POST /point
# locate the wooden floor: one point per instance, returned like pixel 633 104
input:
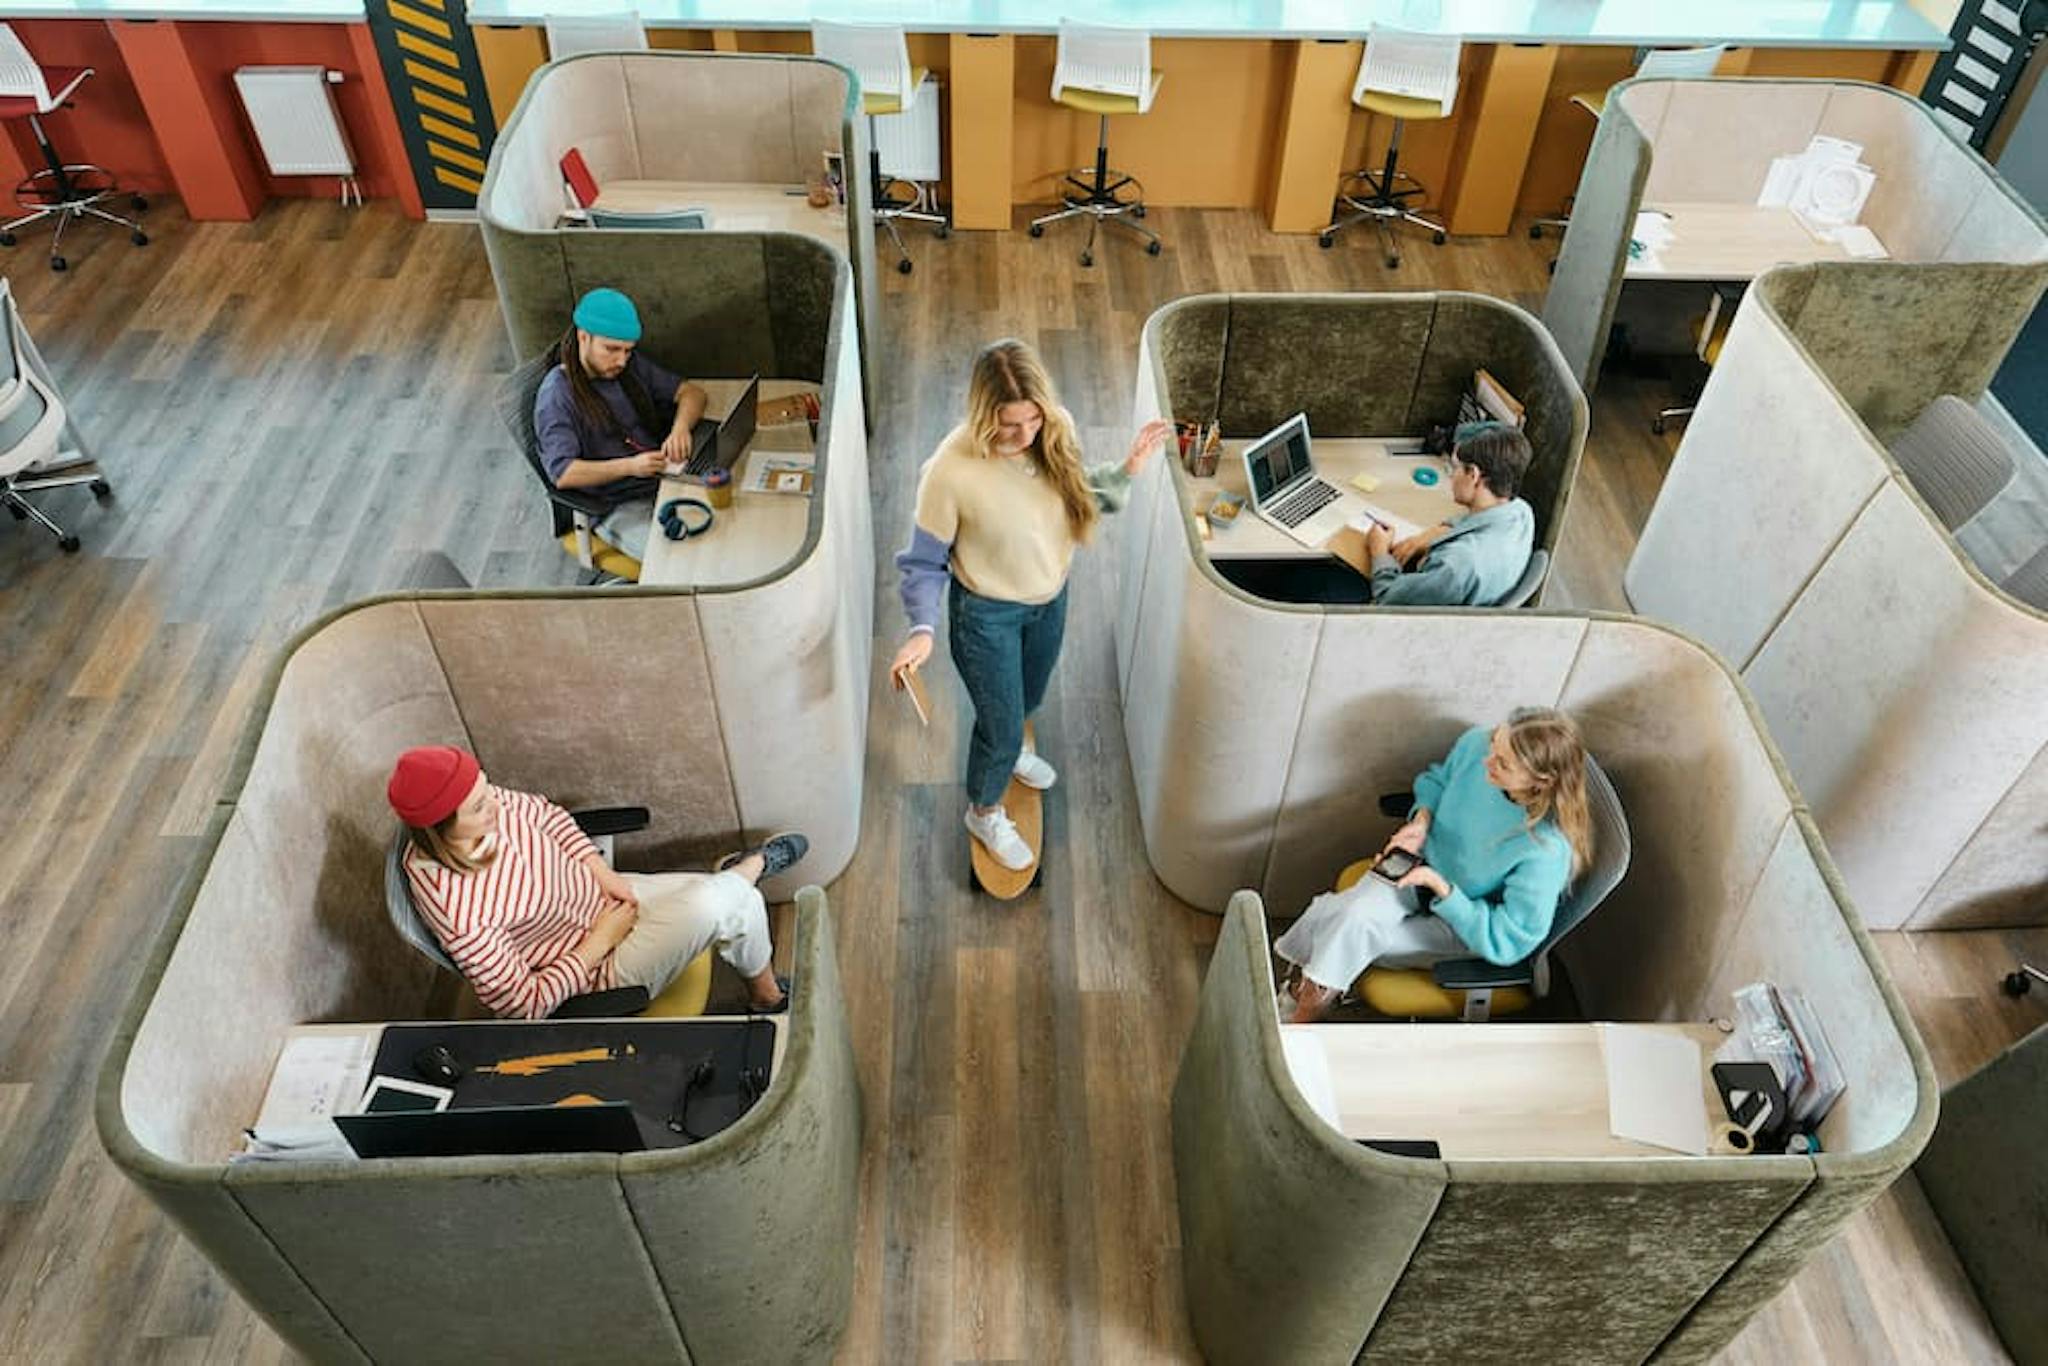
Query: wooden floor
pixel 295 412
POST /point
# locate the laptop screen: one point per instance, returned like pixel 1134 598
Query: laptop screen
pixel 1277 459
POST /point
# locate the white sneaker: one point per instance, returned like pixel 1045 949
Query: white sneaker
pixel 998 834
pixel 1033 771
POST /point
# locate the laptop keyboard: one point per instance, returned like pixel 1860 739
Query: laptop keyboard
pixel 1299 507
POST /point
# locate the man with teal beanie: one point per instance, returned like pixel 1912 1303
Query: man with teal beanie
pixel 609 420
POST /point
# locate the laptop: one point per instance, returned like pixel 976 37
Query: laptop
pixel 718 444
pixel 1286 490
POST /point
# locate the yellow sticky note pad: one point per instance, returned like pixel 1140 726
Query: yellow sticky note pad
pixel 1364 483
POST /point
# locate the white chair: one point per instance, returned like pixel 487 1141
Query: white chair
pixel 32 423
pixel 1103 71
pixel 1680 63
pixel 879 57
pixel 1405 76
pixel 569 34
pixel 61 190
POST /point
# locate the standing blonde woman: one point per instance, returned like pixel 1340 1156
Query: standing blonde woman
pixel 1000 508
pixel 1501 826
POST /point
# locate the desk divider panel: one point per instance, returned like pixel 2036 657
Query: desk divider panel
pixel 1898 677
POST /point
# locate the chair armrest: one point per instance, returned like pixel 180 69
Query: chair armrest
pixel 1397 805
pixel 611 820
pixel 1466 974
pixel 576 500
pixel 593 1005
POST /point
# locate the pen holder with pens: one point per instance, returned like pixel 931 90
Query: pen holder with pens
pixel 1199 447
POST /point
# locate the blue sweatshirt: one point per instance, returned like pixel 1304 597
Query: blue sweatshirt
pixel 1505 878
pixel 1475 564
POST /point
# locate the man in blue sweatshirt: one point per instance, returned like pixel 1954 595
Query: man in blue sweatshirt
pixel 1477 560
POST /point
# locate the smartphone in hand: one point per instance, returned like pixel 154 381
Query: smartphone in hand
pixel 1394 865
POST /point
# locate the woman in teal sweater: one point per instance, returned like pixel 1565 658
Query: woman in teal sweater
pixel 1502 828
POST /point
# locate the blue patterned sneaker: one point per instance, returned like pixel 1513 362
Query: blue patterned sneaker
pixel 780 852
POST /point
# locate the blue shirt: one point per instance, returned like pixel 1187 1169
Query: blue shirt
pixel 1475 564
pixel 566 435
pixel 1505 878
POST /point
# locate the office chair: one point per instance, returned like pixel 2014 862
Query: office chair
pixel 1954 459
pixel 1679 63
pixel 686 995
pixel 1472 988
pixel 572 512
pixel 1531 580
pixel 1103 71
pixel 1710 334
pixel 1405 76
pixel 32 428
pixel 569 34
pixel 879 56
pixel 61 190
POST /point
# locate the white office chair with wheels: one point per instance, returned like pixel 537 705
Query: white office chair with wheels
pixel 569 34
pixel 1103 71
pixel 1405 76
pixel 879 56
pixel 32 426
pixel 65 191
pixel 1681 63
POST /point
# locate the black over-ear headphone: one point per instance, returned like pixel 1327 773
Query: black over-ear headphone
pixel 674 518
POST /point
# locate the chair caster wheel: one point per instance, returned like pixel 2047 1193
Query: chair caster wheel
pixel 102 490
pixel 1087 258
pixel 1438 238
pixel 1393 263
pixel 1151 248
pixel 59 263
pixel 2015 983
pixel 903 266
pixel 1657 425
pixel 1036 229
pixel 942 231
pixel 19 515
pixel 137 203
pixel 1137 210
pixel 140 239
pixel 1535 232
pixel 6 239
pixel 68 544
pixel 1326 240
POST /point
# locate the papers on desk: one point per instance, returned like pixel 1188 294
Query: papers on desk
pixel 320 1073
pixel 1653 1088
pixel 1825 185
pixel 1648 238
pixel 777 474
pixel 1860 242
pixel 1400 528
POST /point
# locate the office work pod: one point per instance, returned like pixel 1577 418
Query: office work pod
pixel 1902 684
pixel 1300 1244
pixel 733 133
pixel 1690 145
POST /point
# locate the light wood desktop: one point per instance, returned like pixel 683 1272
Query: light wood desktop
pixel 760 532
pixel 732 207
pixel 1499 1091
pixel 1730 242
pixel 1338 460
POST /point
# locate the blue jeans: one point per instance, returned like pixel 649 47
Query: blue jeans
pixel 1004 652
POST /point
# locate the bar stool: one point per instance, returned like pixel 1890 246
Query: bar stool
pixel 572 34
pixel 61 190
pixel 1405 76
pixel 879 56
pixel 1103 71
pixel 1674 63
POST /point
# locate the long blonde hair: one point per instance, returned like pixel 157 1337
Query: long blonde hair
pixel 434 842
pixel 1008 371
pixel 1546 742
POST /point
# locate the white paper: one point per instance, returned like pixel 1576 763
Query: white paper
pixel 317 1077
pixel 1400 528
pixel 1653 1088
pixel 1859 241
pixel 777 474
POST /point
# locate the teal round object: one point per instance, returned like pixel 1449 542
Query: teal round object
pixel 1424 476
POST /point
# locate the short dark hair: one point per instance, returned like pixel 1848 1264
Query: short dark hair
pixel 1499 452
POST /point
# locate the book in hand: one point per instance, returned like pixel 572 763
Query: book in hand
pixel 911 686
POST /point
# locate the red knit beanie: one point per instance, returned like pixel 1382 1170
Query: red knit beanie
pixel 429 783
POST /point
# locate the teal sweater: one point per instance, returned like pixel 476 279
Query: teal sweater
pixel 1505 878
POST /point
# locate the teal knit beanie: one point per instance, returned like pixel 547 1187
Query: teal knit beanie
pixel 608 313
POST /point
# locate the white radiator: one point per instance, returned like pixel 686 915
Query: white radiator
pixel 297 124
pixel 909 143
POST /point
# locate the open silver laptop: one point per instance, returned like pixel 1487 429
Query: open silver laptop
pixel 1287 491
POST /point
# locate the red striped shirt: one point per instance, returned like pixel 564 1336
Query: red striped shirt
pixel 510 925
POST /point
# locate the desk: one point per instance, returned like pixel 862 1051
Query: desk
pixel 1337 460
pixel 760 532
pixel 733 207
pixel 1491 1091
pixel 1731 242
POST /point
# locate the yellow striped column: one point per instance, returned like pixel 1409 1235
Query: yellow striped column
pixel 438 90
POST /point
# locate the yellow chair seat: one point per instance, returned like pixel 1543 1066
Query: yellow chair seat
pixel 1594 102
pixel 1096 102
pixel 886 101
pixel 605 557
pixel 1401 106
pixel 1412 993
pixel 686 995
